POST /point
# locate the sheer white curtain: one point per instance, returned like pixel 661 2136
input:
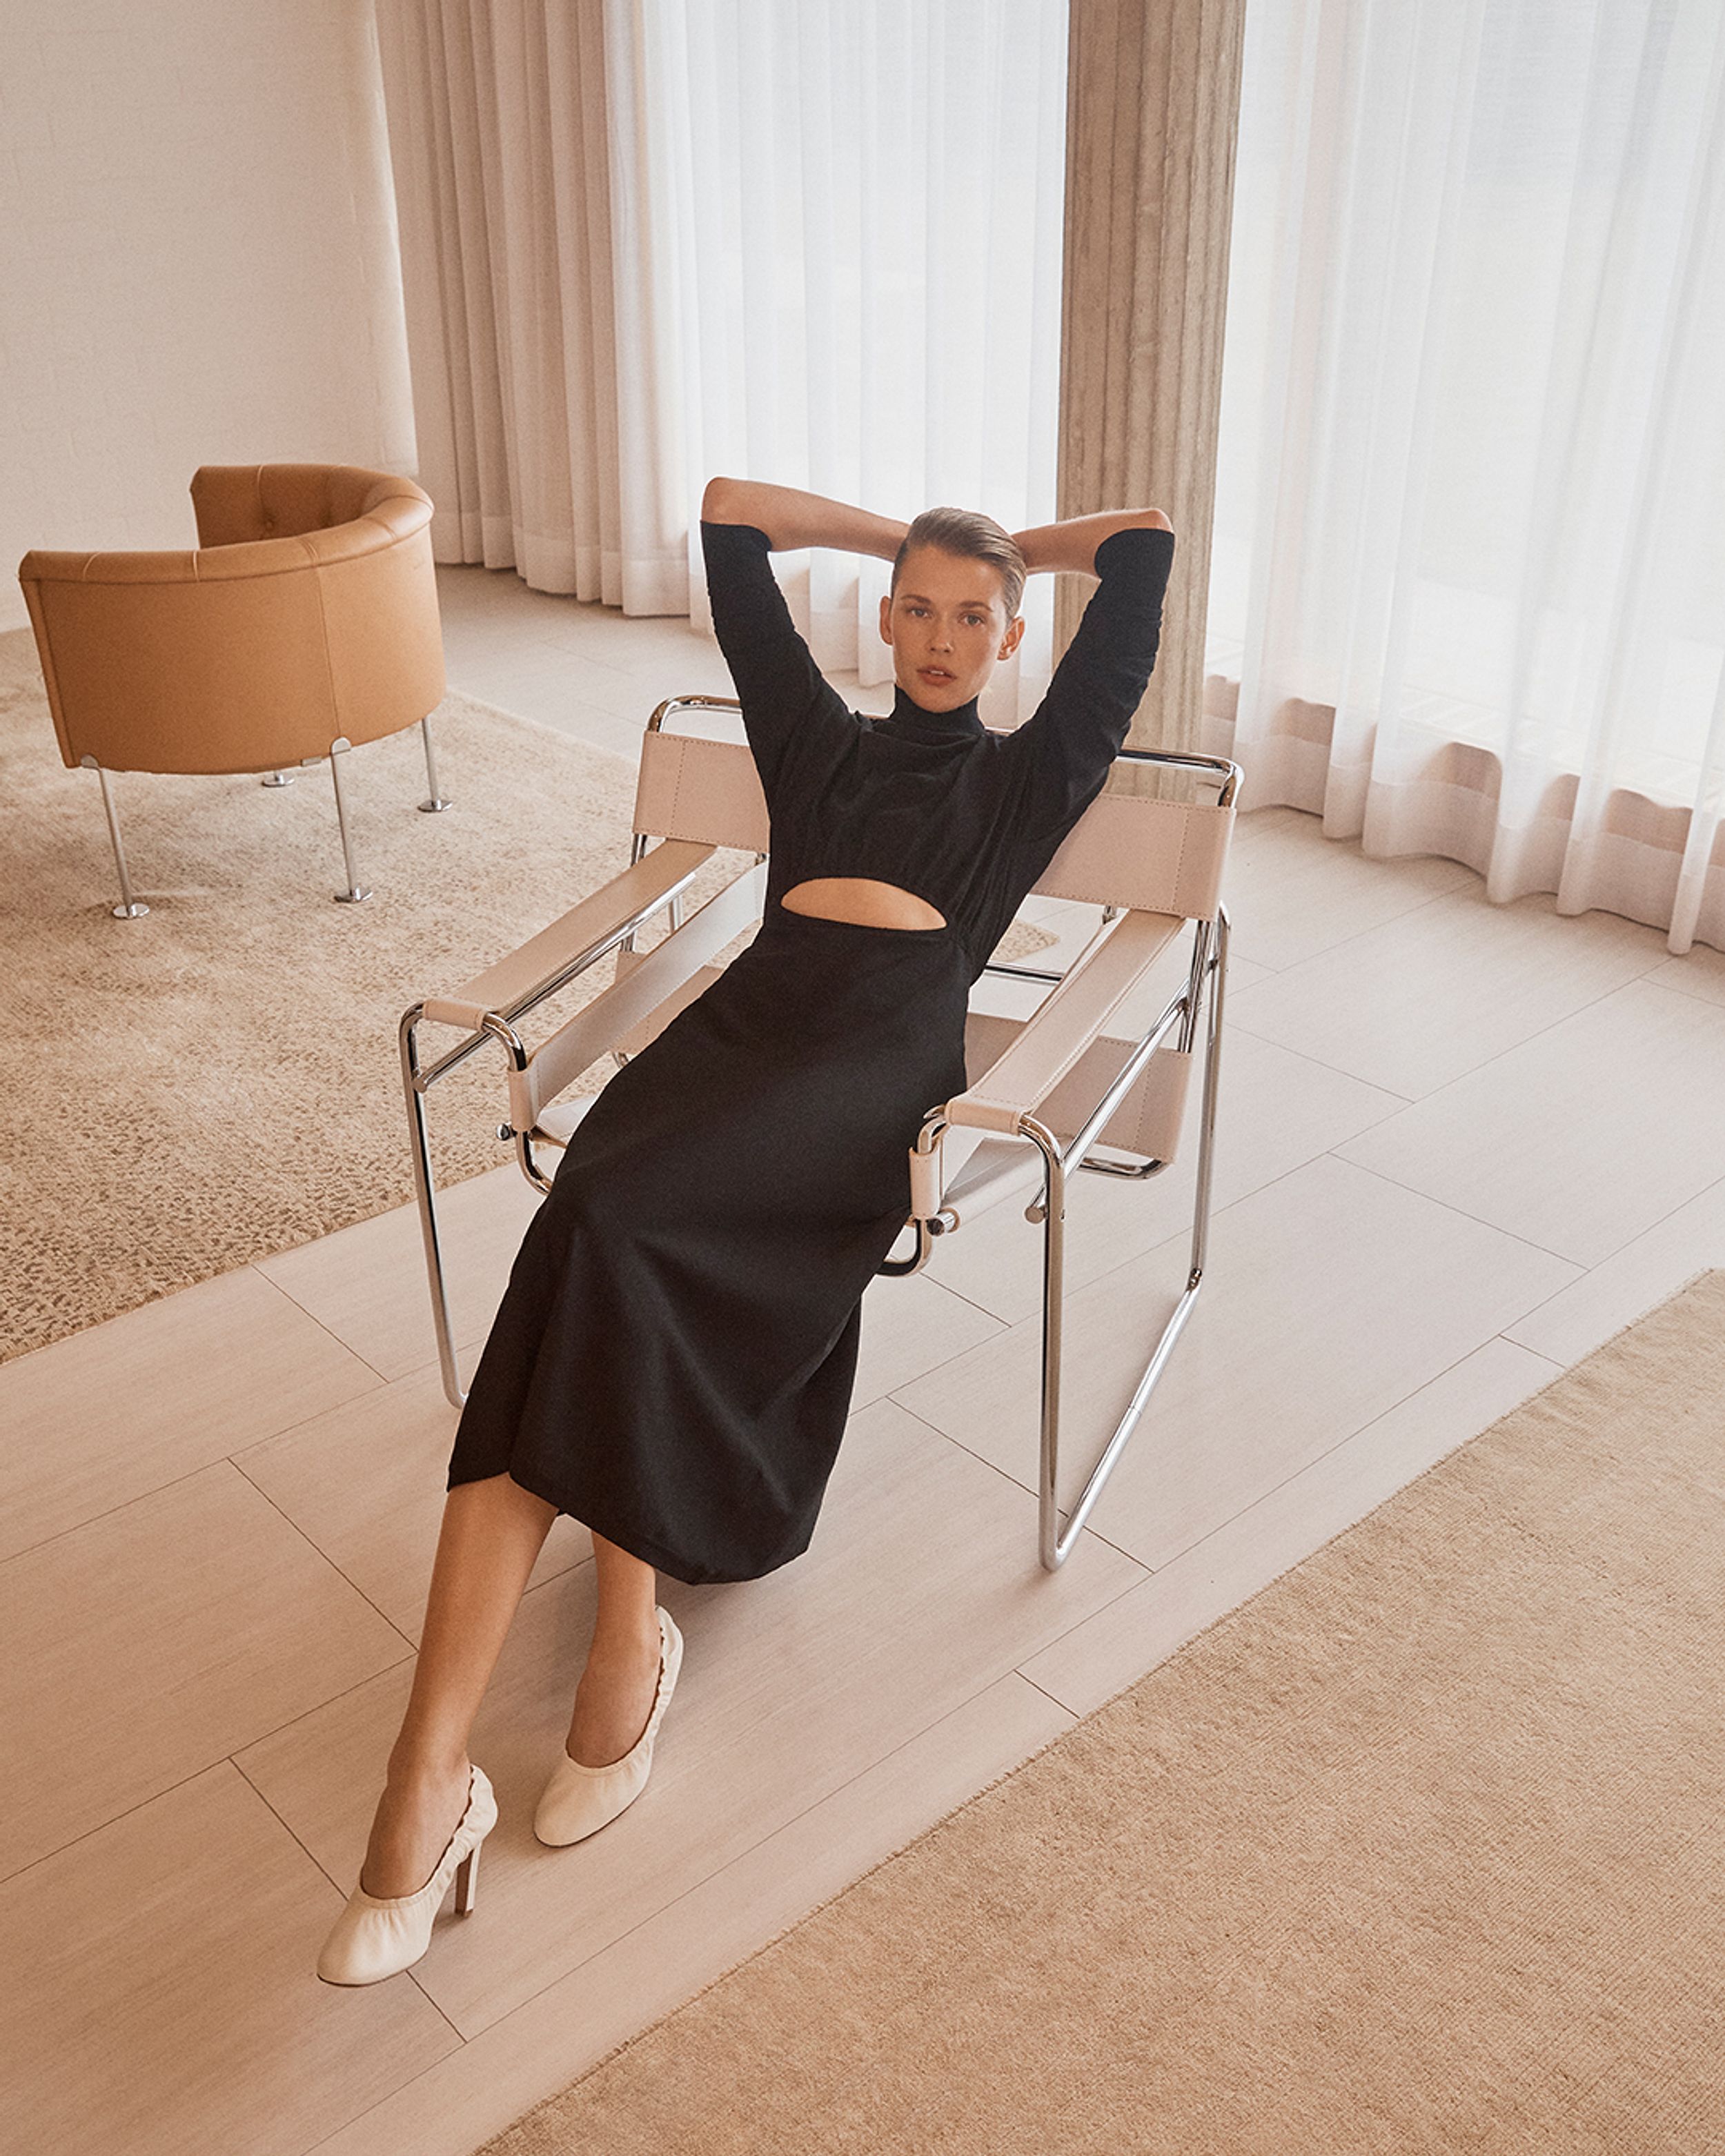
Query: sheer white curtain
pixel 811 241
pixel 1469 568
pixel 866 199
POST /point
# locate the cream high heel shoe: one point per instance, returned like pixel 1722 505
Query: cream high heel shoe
pixel 579 1800
pixel 375 1938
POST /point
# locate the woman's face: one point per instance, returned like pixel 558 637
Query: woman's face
pixel 947 624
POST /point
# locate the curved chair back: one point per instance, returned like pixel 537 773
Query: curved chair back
pixel 307 614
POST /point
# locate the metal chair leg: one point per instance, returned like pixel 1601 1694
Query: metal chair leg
pixel 1209 964
pixel 128 908
pixel 277 779
pixel 425 1191
pixel 436 802
pixel 354 893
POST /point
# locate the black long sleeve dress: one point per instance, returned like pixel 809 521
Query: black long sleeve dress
pixel 672 1361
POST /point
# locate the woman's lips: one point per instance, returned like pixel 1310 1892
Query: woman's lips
pixel 936 673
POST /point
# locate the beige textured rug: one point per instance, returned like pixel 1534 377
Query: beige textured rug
pixel 1423 1849
pixel 218 1081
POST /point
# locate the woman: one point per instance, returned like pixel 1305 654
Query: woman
pixel 672 1362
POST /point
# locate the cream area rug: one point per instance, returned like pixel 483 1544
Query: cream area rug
pixel 1422 1849
pixel 218 1081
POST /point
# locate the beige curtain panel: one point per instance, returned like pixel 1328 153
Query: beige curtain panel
pixel 530 327
pixel 817 242
pixel 1469 562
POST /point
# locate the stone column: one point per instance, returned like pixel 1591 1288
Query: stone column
pixel 1152 107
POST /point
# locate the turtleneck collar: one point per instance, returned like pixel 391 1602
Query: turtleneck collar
pixel 908 720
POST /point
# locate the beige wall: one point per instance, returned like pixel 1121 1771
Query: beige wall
pixel 198 260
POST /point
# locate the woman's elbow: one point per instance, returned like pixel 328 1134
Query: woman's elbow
pixel 718 504
pixel 1155 518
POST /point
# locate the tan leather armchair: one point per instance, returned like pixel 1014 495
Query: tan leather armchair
pixel 304 623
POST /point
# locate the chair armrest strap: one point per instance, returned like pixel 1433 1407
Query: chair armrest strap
pixel 586 931
pixel 637 990
pixel 1052 1040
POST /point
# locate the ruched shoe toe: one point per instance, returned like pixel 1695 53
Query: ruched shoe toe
pixel 374 1938
pixel 579 1800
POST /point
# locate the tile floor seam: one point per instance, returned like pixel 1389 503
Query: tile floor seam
pixel 256 1266
pixel 1462 1212
pixel 49 1855
pixel 287 1828
pixel 324 1557
pixel 1477 884
pixel 322 1706
pixel 1695 995
pixel 1064 1706
pixel 1628 1242
pixel 1404 1100
pixel 1665 988
pixel 1635 980
pixel 1238 950
pixel 970 1302
pixel 157 1490
pixel 1027 1489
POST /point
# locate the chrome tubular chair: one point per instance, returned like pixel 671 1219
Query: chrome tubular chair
pixel 1044 1091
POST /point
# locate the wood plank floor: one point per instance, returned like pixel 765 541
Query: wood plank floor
pixel 1461 1146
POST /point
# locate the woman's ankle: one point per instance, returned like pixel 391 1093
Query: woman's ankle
pixel 421 1763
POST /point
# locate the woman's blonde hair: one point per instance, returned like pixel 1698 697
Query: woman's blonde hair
pixel 974 537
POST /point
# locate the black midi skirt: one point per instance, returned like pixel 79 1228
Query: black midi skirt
pixel 673 1359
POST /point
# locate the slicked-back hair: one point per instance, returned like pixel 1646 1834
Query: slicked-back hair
pixel 974 537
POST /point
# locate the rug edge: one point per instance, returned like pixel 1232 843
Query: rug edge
pixel 1705 1274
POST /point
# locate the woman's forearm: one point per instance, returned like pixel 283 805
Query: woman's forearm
pixel 791 518
pixel 1073 544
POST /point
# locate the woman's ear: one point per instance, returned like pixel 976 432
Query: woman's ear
pixel 1014 634
pixel 886 619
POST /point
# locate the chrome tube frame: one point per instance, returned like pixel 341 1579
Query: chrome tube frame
pixel 128 908
pixel 1208 972
pixel 355 894
pixel 1055 1542
pixel 436 801
pixel 417 1080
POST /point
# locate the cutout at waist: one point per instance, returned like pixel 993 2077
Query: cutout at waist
pixel 863 901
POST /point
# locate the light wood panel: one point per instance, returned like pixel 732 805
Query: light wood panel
pixel 365 1484
pixel 156 1999
pixel 99 1419
pixel 367 1286
pixel 147 1646
pixel 1556 1140
pixel 1422 999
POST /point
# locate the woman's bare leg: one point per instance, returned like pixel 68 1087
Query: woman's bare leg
pixel 615 1695
pixel 492 1533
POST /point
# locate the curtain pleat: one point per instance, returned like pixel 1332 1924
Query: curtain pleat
pixel 1469 570
pixel 816 242
pixel 505 162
